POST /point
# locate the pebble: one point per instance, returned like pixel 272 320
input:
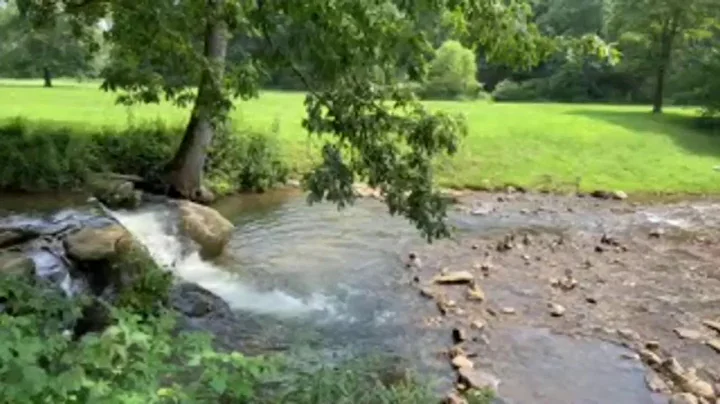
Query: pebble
pixel 427 292
pixel 462 361
pixel 458 335
pixel 454 398
pixel 475 293
pixel 508 310
pixel 652 345
pixel 556 310
pixel 454 277
pixel 478 325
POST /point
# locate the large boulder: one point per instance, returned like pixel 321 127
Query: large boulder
pixel 206 226
pixel 94 244
pixel 15 263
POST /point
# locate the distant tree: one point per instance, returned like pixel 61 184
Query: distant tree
pixel 45 50
pixel 452 72
pixel 664 27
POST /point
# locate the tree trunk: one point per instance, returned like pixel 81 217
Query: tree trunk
pixel 47 76
pixel 185 171
pixel 666 44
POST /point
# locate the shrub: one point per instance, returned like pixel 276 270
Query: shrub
pixel 508 90
pixel 131 361
pixel 42 156
pixel 452 73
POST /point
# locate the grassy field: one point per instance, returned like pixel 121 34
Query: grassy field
pixel 533 145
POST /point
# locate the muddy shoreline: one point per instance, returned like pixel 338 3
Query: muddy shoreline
pixel 652 287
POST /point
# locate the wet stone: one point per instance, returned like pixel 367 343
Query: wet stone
pixel 556 310
pixel 655 383
pixel 714 344
pixel 478 379
pixel 458 335
pixel 461 361
pixel 683 398
pixel 454 277
pixel 686 333
pixel 714 325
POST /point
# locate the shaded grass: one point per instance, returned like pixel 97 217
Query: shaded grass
pixel 545 146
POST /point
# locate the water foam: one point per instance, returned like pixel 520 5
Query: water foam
pixel 155 228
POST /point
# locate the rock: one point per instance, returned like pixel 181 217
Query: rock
pixel 454 277
pixel 478 325
pixel 714 325
pixel 600 194
pixel 655 383
pixel 477 379
pixel 619 195
pixel 656 233
pixel 686 333
pixel 673 368
pixel 458 335
pixel 115 192
pixel 652 345
pixel 650 357
pixel 10 237
pixel 556 310
pixel 461 361
pixel 696 386
pixel 95 244
pixel 427 292
pixel 206 226
pixel 195 301
pixel 714 344
pixel 628 334
pixel 475 293
pixel 591 299
pixel 683 398
pixel 508 310
pixel 413 261
pixel 14 263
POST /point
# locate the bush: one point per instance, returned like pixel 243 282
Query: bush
pixel 133 360
pixel 508 90
pixel 50 156
pixel 452 73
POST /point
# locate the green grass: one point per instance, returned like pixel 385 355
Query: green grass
pixel 533 145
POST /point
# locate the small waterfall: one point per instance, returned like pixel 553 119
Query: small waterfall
pixel 156 226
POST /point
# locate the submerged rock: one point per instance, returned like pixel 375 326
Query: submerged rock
pixel 206 226
pixel 686 333
pixel 195 301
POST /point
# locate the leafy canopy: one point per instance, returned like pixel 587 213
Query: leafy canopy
pixel 371 126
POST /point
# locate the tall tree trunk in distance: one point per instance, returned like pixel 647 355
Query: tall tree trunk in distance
pixel 47 76
pixel 666 43
pixel 185 171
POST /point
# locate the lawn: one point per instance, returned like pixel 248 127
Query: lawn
pixel 533 145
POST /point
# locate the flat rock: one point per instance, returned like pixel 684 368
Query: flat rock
pixel 454 277
pixel 696 386
pixel 478 325
pixel 649 357
pixel 475 293
pixel 619 195
pixel 683 398
pixel 714 325
pixel 714 344
pixel 477 379
pixel 508 310
pixel 94 244
pixel 628 334
pixel 454 398
pixel 11 237
pixel 461 361
pixel 686 333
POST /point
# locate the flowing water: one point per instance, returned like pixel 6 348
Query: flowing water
pixel 334 281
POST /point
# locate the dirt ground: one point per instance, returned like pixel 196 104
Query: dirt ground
pixel 651 286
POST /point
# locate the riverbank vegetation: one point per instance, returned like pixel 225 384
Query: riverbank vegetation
pixel 75 129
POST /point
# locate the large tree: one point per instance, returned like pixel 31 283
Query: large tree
pixel 372 126
pixel 664 26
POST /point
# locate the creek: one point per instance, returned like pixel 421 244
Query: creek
pixel 327 285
